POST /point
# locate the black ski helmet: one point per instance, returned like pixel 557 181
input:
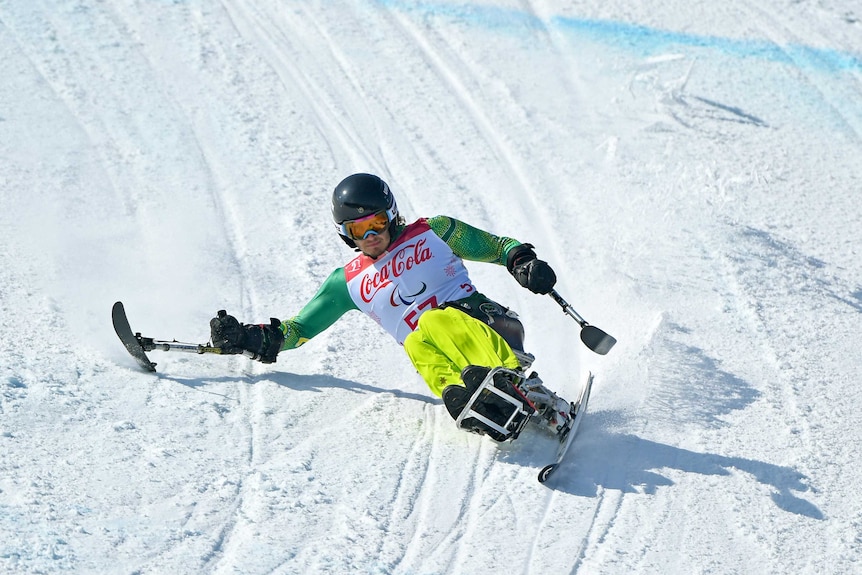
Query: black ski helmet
pixel 361 195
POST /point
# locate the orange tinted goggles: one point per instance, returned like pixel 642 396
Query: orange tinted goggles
pixel 363 227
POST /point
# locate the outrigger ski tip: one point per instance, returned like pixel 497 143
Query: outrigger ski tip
pixel 131 341
pixel 594 338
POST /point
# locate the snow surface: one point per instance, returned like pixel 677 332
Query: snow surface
pixel 691 170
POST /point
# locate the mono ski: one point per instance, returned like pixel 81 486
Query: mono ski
pixel 567 436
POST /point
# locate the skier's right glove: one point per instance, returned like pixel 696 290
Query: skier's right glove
pixel 263 340
pixel 534 274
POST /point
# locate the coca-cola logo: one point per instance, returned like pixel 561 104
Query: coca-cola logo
pixel 401 261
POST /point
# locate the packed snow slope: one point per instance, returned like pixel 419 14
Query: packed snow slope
pixel 690 169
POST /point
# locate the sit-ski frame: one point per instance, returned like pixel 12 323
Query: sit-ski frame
pixel 518 406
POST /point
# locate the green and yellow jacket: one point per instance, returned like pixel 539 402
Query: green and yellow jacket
pixel 333 299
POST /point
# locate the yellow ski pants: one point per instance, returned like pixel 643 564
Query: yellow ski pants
pixel 448 340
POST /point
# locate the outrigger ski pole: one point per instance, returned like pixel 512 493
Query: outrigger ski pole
pixel 137 345
pixel 594 338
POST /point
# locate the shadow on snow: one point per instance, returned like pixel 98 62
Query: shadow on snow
pixel 631 464
pixel 314 383
pixel 599 458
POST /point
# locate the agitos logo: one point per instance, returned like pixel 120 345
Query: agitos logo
pixel 403 260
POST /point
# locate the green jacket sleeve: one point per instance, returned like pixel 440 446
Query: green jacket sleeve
pixel 472 243
pixel 330 302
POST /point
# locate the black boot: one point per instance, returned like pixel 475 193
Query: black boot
pixel 455 396
pixel 474 375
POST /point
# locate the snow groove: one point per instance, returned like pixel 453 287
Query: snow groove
pixel 462 79
pixel 593 548
pixel 412 502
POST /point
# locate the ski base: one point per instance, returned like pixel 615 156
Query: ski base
pixel 579 409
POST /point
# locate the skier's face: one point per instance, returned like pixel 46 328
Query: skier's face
pixel 374 245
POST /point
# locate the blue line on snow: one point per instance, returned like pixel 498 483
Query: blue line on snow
pixel 642 39
pixel 650 40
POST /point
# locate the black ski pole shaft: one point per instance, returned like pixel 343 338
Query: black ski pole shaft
pixel 594 338
pixel 567 309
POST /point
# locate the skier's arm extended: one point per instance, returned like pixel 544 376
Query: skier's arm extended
pixel 330 302
pixel 472 243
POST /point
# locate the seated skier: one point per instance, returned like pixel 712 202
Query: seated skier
pixel 411 279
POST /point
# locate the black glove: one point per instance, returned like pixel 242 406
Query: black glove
pixel 232 337
pixel 226 333
pixel 534 274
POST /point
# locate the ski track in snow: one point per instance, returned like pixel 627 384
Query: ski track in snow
pixel 690 177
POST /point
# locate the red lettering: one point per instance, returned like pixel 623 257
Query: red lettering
pixel 401 261
pixel 412 318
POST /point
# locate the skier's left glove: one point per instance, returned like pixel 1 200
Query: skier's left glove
pixel 534 274
pixel 263 340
